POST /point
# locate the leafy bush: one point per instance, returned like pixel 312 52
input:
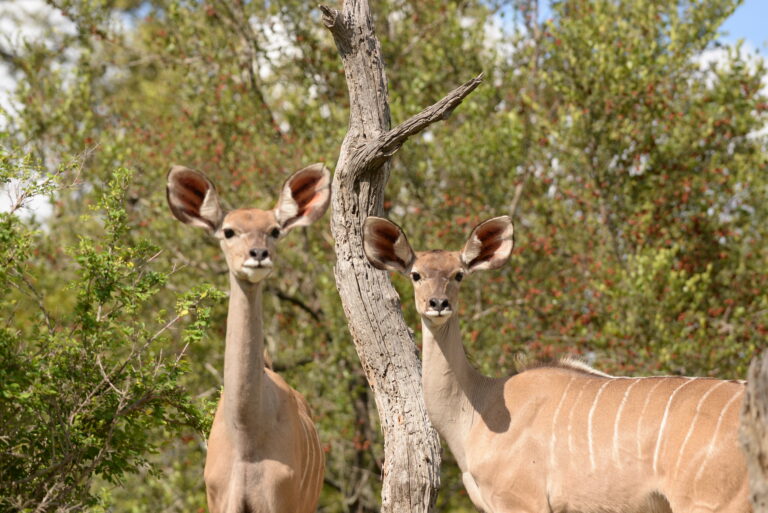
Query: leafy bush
pixel 88 378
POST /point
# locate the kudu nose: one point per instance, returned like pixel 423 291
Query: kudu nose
pixel 259 253
pixel 439 304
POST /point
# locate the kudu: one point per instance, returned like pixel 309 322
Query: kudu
pixel 563 437
pixel 263 451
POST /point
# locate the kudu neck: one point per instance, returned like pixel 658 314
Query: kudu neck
pixel 444 350
pixel 452 386
pixel 244 356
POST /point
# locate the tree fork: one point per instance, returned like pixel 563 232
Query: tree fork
pixel 384 344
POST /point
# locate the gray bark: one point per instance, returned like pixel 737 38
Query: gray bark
pixel 384 344
pixel 754 432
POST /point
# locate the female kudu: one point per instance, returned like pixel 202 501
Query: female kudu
pixel 263 451
pixel 563 438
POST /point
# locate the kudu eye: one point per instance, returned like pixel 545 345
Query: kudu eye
pixel 229 233
pixel 415 276
pixel 459 276
pixel 275 232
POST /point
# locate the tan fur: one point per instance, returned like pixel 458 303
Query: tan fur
pixel 264 454
pixel 564 437
pixel 276 465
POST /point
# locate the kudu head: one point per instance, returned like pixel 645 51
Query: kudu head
pixel 248 236
pixel 437 274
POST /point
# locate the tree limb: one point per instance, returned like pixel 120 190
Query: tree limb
pixel 376 152
pixel 384 343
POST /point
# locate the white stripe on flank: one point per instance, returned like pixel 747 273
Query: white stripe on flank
pixel 321 464
pixel 616 424
pixel 672 376
pixel 553 439
pixel 638 438
pixel 307 451
pixel 319 476
pixel 711 445
pixel 693 424
pixel 589 424
pixel 664 423
pixel 570 418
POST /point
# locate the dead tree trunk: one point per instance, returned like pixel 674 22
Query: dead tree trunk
pixel 754 432
pixel 411 474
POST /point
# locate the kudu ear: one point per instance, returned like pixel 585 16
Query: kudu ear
pixel 489 245
pixel 304 197
pixel 193 198
pixel 385 245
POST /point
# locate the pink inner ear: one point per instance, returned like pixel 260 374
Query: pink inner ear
pixel 303 191
pixel 191 192
pixel 490 239
pixel 387 232
pixel 382 238
pixel 489 231
pixel 487 251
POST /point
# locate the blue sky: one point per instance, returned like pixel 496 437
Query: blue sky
pixel 749 22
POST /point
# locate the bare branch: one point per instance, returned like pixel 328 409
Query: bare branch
pixel 106 378
pixel 283 296
pixel 239 21
pixel 281 367
pixel 516 199
pixel 379 150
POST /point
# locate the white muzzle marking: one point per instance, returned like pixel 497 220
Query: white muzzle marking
pixel 256 270
pixel 434 314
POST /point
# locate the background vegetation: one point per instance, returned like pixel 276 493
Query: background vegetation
pixel 634 167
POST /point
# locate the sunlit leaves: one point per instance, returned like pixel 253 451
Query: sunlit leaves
pixel 85 394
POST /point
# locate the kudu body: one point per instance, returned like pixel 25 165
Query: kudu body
pixel 263 451
pixel 565 437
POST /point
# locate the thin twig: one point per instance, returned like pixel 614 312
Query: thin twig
pixel 106 378
pixel 516 199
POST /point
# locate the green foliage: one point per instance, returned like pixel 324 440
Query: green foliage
pixel 634 172
pixel 655 299
pixel 86 384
